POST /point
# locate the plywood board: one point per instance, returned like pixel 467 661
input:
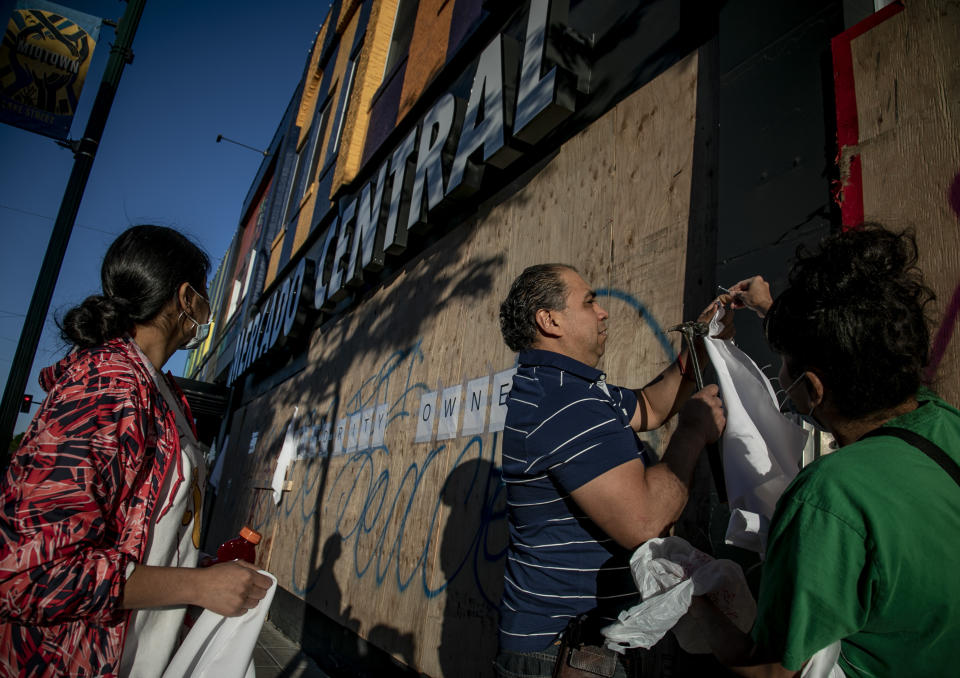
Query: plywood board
pixel 403 541
pixel 907 79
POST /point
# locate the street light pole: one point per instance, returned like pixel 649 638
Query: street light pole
pixel 86 150
pixel 220 138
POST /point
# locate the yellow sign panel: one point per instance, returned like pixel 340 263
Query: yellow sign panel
pixel 44 58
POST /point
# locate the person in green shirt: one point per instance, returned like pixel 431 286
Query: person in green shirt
pixel 863 544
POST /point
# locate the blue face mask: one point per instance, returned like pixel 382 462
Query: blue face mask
pixel 203 329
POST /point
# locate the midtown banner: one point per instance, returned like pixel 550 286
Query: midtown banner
pixel 44 58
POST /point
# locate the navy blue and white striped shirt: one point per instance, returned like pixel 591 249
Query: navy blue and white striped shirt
pixel 565 426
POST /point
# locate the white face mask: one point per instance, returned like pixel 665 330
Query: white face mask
pixel 788 400
pixel 203 329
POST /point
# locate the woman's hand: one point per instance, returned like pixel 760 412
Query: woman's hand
pixel 752 293
pixel 727 328
pixel 230 588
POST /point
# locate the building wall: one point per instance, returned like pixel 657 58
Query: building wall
pixel 368 76
pixel 777 150
pixel 715 169
pixel 428 50
pixel 250 234
pixel 418 527
pixel 324 114
pixel 218 293
pixel 907 112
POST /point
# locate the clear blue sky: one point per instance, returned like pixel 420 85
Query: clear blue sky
pixel 200 69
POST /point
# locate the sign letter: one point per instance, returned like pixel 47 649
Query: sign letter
pixel 502 381
pixel 428 403
pixel 544 102
pixel 449 413
pixel 475 412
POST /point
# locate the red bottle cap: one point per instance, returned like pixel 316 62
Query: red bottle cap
pixel 251 536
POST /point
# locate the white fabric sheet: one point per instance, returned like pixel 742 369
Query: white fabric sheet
pixel 222 647
pixel 761 448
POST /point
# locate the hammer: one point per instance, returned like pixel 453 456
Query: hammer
pixel 690 331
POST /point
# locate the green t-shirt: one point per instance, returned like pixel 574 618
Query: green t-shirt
pixel 865 547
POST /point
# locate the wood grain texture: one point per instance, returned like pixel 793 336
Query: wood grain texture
pixel 403 543
pixel 907 78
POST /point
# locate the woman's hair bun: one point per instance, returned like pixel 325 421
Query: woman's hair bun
pixel 141 273
pixel 856 312
pixel 96 320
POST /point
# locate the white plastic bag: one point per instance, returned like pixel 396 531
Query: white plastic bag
pixel 668 573
pixel 221 647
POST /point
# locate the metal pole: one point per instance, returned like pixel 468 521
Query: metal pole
pixel 86 150
pixel 690 331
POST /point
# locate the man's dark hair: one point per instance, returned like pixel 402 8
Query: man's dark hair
pixel 537 287
pixel 141 272
pixel 856 312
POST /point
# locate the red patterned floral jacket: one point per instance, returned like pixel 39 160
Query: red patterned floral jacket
pixel 76 506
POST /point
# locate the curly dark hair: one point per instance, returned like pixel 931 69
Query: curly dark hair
pixel 856 312
pixel 141 272
pixel 537 287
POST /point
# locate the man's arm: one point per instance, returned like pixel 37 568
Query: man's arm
pixel 663 397
pixel 631 503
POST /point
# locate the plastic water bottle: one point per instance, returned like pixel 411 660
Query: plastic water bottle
pixel 240 548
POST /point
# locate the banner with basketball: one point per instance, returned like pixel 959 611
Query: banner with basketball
pixel 44 58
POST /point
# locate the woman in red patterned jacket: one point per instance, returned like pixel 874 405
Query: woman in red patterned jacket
pixel 99 509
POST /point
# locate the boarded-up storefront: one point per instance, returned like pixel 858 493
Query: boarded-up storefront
pixel 395 521
pixel 373 351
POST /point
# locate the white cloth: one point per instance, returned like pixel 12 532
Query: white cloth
pixel 222 647
pixel 288 452
pixel 173 540
pixel 761 448
pixel 762 453
pixel 824 663
pixel 668 573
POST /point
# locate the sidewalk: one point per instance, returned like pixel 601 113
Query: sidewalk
pixel 276 656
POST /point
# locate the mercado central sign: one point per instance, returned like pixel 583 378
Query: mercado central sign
pixel 508 101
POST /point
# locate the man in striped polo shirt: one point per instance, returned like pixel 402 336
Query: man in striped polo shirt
pixel 581 494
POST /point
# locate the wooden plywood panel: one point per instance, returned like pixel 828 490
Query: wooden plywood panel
pixel 907 78
pixel 402 541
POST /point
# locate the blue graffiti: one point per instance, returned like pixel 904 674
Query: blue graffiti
pixel 377 513
pixel 652 323
pixel 371 511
